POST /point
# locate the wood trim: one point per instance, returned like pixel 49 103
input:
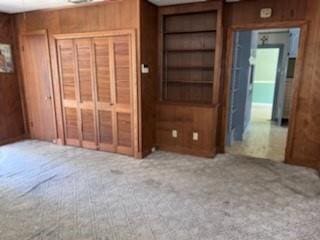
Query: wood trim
pixel 95 34
pixel 136 90
pixel 296 88
pixel 113 93
pixel 190 8
pixel 303 25
pixel 13 140
pixel 218 57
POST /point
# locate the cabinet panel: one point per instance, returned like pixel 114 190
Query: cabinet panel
pixel 187 121
pixel 124 130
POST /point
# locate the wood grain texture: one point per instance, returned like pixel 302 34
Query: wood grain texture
pixel 11 116
pixel 190 42
pixel 149 55
pixel 38 85
pixel 305 136
pixel 108 16
pixel 186 121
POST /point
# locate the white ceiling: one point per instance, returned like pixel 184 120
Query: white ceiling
pixel 15 6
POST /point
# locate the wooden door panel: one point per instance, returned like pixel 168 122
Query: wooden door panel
pixel 86 99
pixel 106 130
pixel 84 51
pixel 124 133
pixel 102 62
pixel 66 61
pixel 71 126
pixel 88 129
pixel 122 81
pixel 37 82
pixel 67 69
pixel 122 69
pixel 104 94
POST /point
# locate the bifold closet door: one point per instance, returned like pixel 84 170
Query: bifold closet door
pixel 77 87
pixel 114 107
pixel 122 75
pixel 68 84
pixel 96 76
pixel 105 94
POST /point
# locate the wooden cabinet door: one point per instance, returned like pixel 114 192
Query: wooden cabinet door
pixel 104 93
pixel 37 82
pixel 122 86
pixel 69 95
pixel 86 92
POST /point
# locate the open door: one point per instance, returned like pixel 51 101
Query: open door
pixel 241 89
pixel 37 82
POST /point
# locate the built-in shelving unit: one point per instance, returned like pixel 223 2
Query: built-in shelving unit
pixel 189 43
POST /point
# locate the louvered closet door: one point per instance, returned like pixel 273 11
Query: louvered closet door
pixel 122 79
pixel 68 84
pixel 105 94
pixel 86 94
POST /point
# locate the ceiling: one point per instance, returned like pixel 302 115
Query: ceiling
pixel 15 6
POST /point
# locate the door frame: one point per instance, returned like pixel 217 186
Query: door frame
pixel 277 82
pixel 135 110
pixel 303 25
pixel 22 36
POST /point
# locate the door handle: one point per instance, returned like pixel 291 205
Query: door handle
pixel 47 98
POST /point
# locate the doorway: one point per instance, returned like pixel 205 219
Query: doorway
pixel 261 92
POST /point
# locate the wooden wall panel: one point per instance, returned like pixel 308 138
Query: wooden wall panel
pixel 306 133
pixel 11 116
pixel 149 56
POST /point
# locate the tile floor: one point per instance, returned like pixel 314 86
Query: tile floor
pixel 263 139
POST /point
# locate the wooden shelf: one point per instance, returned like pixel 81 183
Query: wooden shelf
pixel 190 50
pixel 191 82
pixel 188 104
pixel 192 31
pixel 190 68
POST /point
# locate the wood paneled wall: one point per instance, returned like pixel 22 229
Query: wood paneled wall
pixel 149 56
pixel 11 118
pixel 306 132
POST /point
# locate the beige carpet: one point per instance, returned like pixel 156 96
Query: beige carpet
pixel 56 192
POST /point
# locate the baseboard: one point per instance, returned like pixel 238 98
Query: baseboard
pixel 13 140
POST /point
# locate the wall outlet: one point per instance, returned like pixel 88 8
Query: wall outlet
pixel 174 133
pixel 195 136
pixel 153 149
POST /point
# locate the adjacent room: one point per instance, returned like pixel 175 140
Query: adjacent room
pixel 261 92
pixel 159 120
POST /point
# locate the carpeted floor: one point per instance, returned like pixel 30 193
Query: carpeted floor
pixel 63 193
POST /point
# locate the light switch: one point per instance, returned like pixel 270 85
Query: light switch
pixel 266 12
pixel 144 68
pixel 174 133
pixel 195 136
